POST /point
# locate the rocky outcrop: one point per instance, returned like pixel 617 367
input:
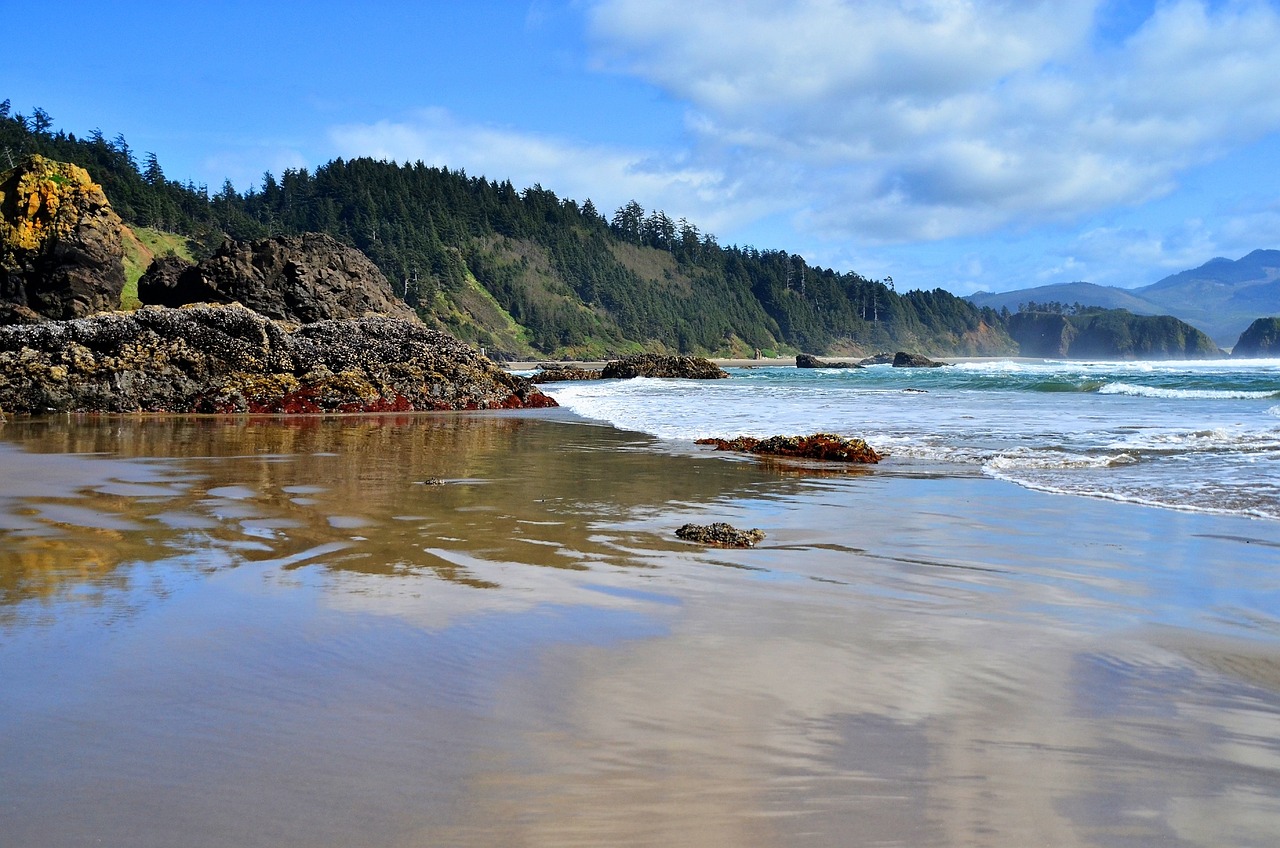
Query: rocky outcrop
pixel 881 358
pixel 228 359
pixel 61 254
pixel 1260 340
pixel 563 374
pixel 302 279
pixel 822 446
pixel 805 360
pixel 653 365
pixel 721 535
pixel 902 359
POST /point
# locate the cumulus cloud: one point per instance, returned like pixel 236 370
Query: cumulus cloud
pixel 609 176
pixel 929 119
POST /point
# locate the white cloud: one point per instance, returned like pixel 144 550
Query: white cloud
pixel 928 119
pixel 609 176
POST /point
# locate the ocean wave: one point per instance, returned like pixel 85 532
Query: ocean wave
pixel 1044 460
pixel 1136 390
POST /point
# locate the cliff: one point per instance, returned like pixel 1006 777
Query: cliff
pixel 1109 334
pixel 61 254
pixel 229 359
pixel 1260 340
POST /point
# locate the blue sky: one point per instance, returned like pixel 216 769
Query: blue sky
pixel 962 144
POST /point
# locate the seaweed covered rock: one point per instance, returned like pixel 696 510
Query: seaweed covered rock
pixel 824 446
pixel 61 249
pixel 721 535
pixel 228 359
pixel 654 365
pixel 303 279
pixel 564 374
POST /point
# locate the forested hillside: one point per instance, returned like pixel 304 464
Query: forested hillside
pixel 522 271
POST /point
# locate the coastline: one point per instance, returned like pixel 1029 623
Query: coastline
pixel 766 362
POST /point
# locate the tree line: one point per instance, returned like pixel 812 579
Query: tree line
pixel 573 280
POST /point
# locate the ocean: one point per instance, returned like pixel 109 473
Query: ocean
pixel 1202 436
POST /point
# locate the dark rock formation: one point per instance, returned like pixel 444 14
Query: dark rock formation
pixel 721 535
pixel 61 254
pixel 902 359
pixel 818 446
pixel 562 373
pixel 302 279
pixel 1260 340
pixel 805 360
pixel 881 358
pixel 653 365
pixel 228 359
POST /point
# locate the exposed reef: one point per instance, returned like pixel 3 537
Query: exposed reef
pixel 228 359
pixel 823 446
pixel 721 535
pixel 563 373
pixel 654 365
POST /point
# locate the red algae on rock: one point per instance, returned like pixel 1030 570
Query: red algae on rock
pixel 822 446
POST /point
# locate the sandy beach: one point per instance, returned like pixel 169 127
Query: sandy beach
pixel 481 630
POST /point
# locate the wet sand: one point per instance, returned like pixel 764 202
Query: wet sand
pixel 481 630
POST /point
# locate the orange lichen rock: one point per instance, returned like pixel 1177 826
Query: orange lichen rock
pixel 824 446
pixel 61 249
pixel 43 202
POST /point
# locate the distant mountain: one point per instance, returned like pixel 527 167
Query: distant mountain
pixel 1222 297
pixel 1085 294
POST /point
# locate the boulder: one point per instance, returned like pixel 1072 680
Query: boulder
pixel 824 446
pixel 805 360
pixel 721 535
pixel 61 251
pixel 228 359
pixel 902 359
pixel 301 279
pixel 654 365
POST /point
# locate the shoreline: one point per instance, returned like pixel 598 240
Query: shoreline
pixel 524 653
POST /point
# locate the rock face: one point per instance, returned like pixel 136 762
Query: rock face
pixel 823 446
pixel 721 535
pixel 902 359
pixel 228 359
pixel 1261 339
pixel 1109 334
pixel 61 254
pixel 653 365
pixel 302 279
pixel 805 360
